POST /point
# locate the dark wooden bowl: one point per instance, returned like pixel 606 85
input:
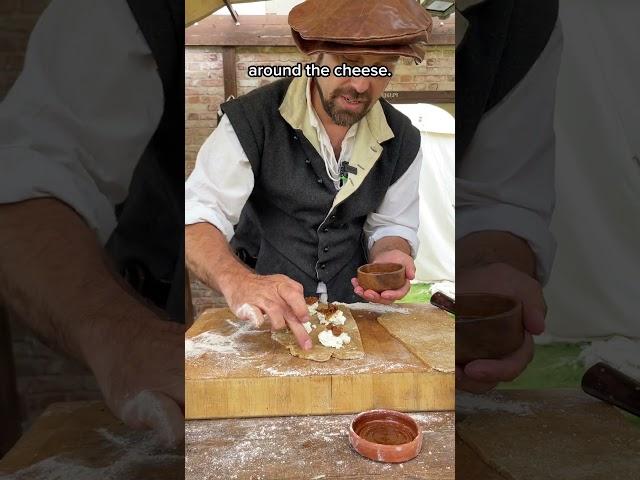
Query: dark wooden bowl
pixel 381 276
pixel 385 436
pixel 487 326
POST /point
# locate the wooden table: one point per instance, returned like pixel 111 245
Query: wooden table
pixel 308 447
pixel 83 440
pixel 544 434
pixel 248 374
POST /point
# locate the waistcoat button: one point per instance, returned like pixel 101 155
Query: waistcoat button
pixel 325 249
pixel 319 181
pixel 323 266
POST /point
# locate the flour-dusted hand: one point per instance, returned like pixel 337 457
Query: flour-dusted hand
pixel 142 378
pixel 281 300
pixel 482 375
pixel 389 296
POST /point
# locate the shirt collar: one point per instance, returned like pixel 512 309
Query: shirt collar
pixel 294 110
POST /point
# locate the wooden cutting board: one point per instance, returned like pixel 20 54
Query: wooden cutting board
pixel 84 440
pixel 232 371
pixel 543 434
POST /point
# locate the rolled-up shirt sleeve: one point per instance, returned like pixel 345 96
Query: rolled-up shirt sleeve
pixel 505 181
pixel 221 182
pixel 81 113
pixel 399 213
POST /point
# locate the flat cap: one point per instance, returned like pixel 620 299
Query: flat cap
pixel 382 27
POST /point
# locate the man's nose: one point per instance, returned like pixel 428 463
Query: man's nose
pixel 360 84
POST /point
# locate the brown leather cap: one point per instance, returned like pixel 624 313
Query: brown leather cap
pixel 393 27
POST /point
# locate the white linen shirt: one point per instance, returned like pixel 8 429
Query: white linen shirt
pixel 82 112
pixel 506 179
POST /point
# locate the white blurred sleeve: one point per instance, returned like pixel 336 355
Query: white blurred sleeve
pixel 221 182
pixel 506 179
pixel 81 113
pixel 399 213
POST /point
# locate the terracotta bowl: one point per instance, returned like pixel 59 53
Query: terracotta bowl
pixel 385 436
pixel 381 276
pixel 487 326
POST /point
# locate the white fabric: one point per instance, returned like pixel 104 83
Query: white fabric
pixel 222 181
pixel 436 258
pixel 506 178
pixel 331 164
pixel 80 115
pixel 594 289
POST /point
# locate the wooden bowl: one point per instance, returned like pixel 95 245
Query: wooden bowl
pixel 381 276
pixel 487 326
pixel 385 436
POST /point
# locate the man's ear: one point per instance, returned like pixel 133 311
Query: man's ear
pixel 317 58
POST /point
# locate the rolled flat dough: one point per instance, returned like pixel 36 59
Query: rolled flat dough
pixel 319 352
pixel 430 336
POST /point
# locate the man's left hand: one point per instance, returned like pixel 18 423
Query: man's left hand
pixel 389 296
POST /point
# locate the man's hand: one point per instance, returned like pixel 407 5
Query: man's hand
pixel 249 296
pixel 281 299
pixel 482 375
pixel 389 296
pixel 54 275
pixel 142 378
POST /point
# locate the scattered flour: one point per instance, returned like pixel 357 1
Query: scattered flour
pixel 493 402
pixel 621 353
pixel 374 307
pixel 135 452
pixel 210 342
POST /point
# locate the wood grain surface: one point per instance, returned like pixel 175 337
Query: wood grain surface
pixel 543 434
pixel 309 447
pixel 247 374
pixel 84 440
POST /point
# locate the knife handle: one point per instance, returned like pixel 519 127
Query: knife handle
pixel 612 386
pixel 444 302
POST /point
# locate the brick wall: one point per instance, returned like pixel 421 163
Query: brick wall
pixel 204 89
pixel 204 92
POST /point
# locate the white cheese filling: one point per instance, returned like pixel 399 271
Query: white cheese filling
pixel 313 309
pixel 337 318
pixel 328 339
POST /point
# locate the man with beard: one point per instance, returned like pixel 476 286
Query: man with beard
pixel 324 169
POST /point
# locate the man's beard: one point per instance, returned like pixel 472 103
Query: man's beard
pixel 340 116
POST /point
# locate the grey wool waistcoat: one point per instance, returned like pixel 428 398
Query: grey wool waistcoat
pixel 302 235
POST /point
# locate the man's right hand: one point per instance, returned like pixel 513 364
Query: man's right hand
pixel 281 299
pixel 140 372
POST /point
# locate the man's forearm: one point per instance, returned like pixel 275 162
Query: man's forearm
pixel 484 248
pixel 386 244
pixel 209 257
pixel 55 276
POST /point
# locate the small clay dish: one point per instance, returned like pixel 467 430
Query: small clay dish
pixel 381 276
pixel 385 436
pixel 487 326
